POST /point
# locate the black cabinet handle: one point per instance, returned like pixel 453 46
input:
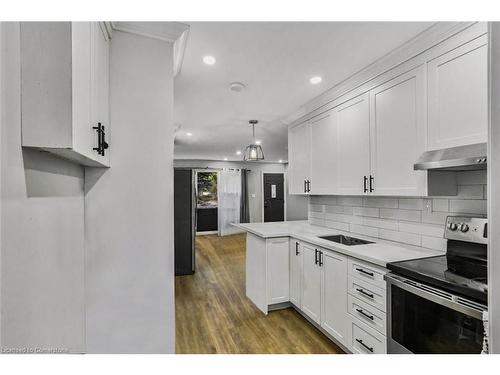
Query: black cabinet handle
pixel 371 183
pixel 102 145
pixel 297 248
pixel 365 180
pixel 364 293
pixel 365 272
pixel 320 258
pixel 305 186
pixel 366 346
pixel 315 256
pixel 308 186
pixel 365 314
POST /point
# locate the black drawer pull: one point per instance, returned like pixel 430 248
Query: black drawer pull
pixel 320 258
pixel 366 346
pixel 365 293
pixel 297 248
pixel 365 272
pixel 315 256
pixel 365 180
pixel 365 314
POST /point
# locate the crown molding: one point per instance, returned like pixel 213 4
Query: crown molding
pixel 175 33
pixel 422 42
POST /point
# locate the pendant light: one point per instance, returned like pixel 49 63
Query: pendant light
pixel 253 152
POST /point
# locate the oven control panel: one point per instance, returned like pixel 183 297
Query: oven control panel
pixel 470 229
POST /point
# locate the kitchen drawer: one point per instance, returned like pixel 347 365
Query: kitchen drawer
pixel 366 292
pixel 368 272
pixel 373 317
pixel 365 340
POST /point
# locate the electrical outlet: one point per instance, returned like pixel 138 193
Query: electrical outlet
pixel 428 205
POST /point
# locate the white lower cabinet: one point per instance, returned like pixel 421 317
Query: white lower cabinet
pixel 365 340
pixel 370 315
pixel 295 272
pixel 310 297
pixel 343 296
pixel 278 270
pixel 334 318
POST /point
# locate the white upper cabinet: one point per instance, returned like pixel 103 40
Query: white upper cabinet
pixel 397 135
pixel 458 96
pixel 299 158
pixel 100 81
pixel 353 151
pixel 324 154
pixel 65 89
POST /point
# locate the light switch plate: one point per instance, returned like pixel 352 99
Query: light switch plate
pixel 428 205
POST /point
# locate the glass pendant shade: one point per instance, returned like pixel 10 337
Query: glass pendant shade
pixel 253 152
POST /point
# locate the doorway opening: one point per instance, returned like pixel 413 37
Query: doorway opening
pixel 273 186
pixel 207 203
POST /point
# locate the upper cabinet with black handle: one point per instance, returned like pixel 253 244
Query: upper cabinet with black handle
pixel 299 161
pixel 65 90
pixel 366 140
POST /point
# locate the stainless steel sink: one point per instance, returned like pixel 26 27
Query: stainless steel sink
pixel 345 240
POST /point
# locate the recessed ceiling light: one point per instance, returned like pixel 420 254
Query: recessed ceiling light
pixel 225 159
pixel 189 134
pixel 315 80
pixel 237 86
pixel 280 161
pixel 258 142
pixel 209 60
pixel 238 152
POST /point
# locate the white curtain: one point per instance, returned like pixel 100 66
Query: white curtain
pixel 229 188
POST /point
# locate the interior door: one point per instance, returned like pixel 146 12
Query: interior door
pixel 295 272
pixel 324 154
pixel 299 159
pixel 353 151
pixel 311 283
pixel 334 318
pixel 397 134
pixel 274 197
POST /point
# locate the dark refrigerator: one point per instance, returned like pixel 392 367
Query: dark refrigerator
pixel 184 221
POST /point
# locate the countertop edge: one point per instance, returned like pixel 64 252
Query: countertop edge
pixel 331 247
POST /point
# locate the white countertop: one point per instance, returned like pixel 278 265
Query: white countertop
pixel 380 252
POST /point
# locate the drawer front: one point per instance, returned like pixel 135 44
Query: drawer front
pixel 368 272
pixel 366 340
pixel 366 292
pixel 373 317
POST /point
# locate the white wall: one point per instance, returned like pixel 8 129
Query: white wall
pixel 129 207
pixel 42 245
pixel 296 205
pixel 494 190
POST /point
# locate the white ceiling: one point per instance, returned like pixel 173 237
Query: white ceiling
pixel 275 60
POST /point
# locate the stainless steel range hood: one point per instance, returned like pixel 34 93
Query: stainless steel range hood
pixel 462 158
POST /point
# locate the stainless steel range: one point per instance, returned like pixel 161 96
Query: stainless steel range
pixel 436 304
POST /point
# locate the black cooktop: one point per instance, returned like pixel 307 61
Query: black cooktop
pixel 458 275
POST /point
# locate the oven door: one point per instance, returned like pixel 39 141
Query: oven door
pixel 422 319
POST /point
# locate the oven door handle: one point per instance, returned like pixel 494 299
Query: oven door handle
pixel 446 299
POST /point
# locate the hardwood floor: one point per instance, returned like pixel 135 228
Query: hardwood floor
pixel 213 315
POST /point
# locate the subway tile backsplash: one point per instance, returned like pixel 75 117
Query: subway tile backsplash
pixel 402 219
